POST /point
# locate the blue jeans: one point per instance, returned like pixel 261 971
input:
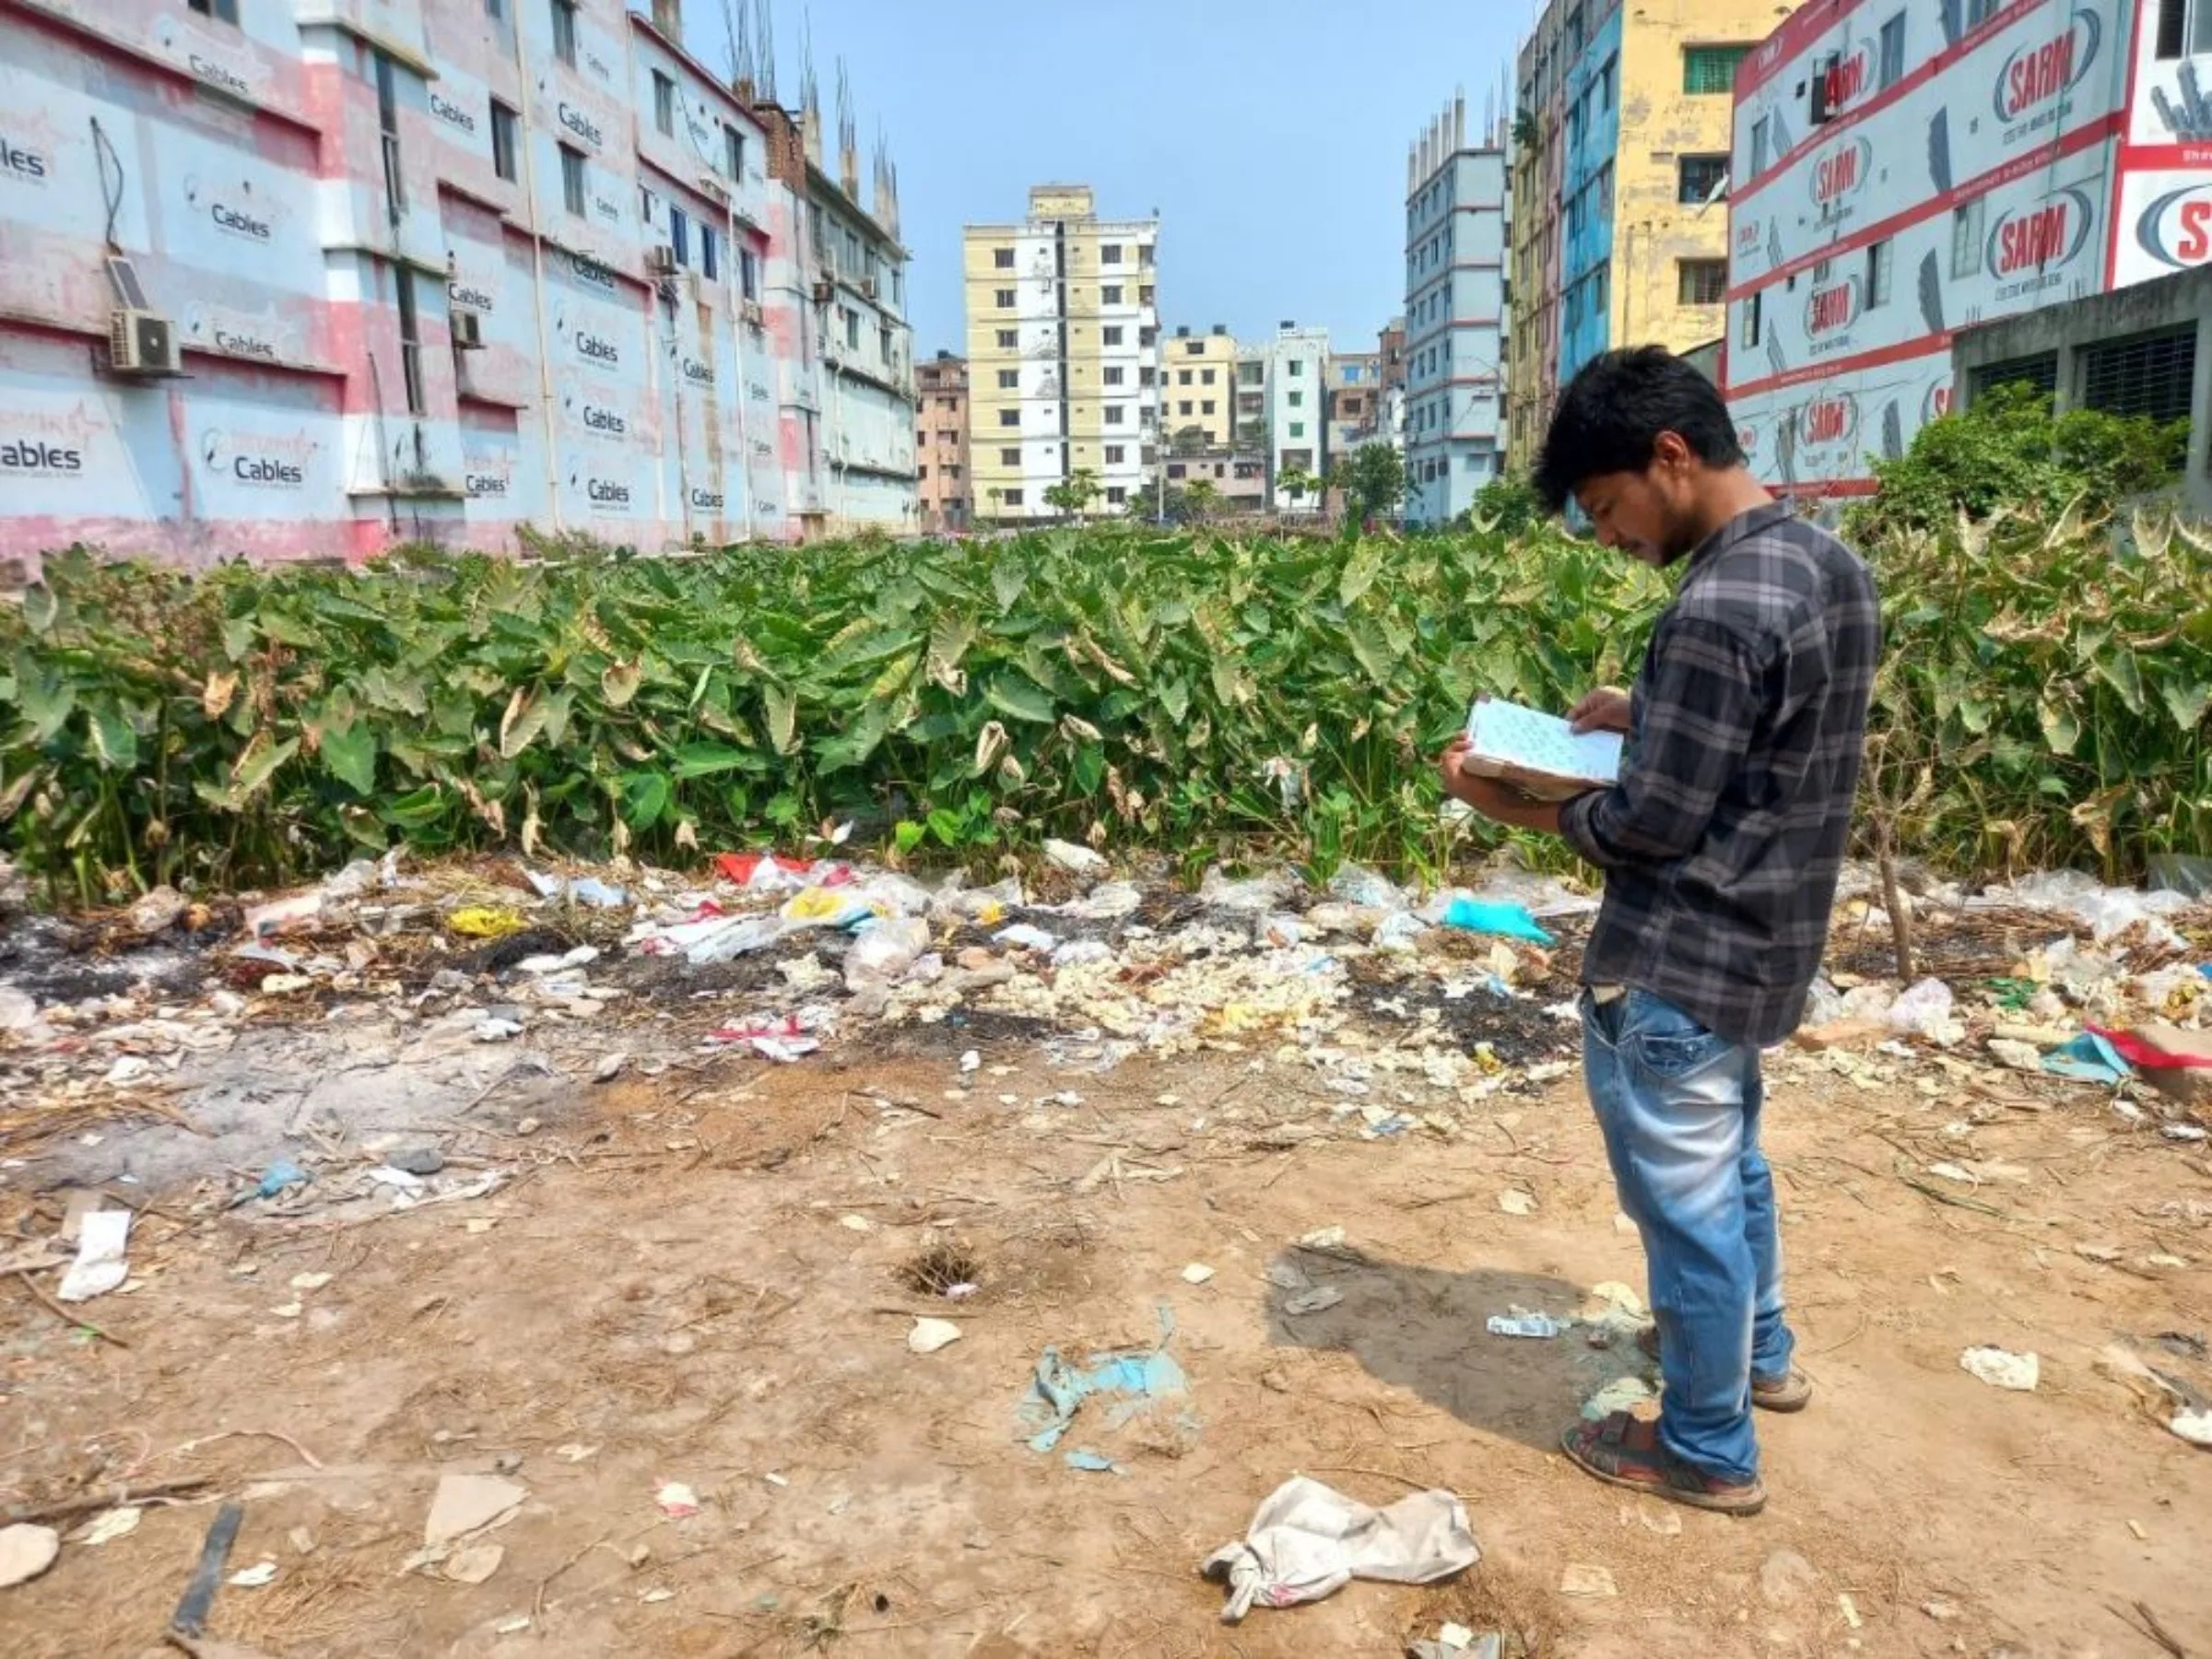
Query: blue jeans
pixel 1679 1108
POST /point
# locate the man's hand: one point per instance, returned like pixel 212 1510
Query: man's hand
pixel 1604 710
pixel 1500 803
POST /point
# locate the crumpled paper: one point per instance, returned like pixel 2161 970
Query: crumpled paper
pixel 1307 1541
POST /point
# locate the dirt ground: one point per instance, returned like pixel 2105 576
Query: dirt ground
pixel 699 1279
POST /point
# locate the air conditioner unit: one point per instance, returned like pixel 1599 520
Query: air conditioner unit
pixel 660 259
pixel 867 286
pixel 750 311
pixel 823 291
pixel 141 342
pixel 468 331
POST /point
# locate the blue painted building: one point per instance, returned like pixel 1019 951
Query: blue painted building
pixel 1586 189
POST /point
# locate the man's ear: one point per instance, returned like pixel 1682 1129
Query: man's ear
pixel 1669 451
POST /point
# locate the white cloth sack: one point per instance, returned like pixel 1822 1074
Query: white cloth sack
pixel 1307 1541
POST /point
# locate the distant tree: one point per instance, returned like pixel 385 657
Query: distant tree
pixel 1508 503
pixel 1372 479
pixel 1298 484
pixel 1187 441
pixel 1200 498
pixel 1074 494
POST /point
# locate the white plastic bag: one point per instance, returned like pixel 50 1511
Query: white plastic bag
pixel 1308 1540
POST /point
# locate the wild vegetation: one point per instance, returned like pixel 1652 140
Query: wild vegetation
pixel 2043 699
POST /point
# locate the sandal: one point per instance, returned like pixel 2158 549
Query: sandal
pixel 1793 1392
pixel 1625 1451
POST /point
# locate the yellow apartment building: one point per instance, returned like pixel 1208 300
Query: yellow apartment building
pixel 1198 388
pixel 1062 355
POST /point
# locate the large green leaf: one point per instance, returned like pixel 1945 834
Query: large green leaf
pixel 114 741
pixel 349 753
pixel 46 699
pixel 620 683
pixel 2117 668
pixel 2185 702
pixel 708 759
pixel 782 716
pixel 1015 694
pixel 645 798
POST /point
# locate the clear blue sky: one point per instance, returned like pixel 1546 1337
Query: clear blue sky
pixel 1271 138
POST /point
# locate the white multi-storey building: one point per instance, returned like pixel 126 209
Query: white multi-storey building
pixel 1455 317
pixel 1293 379
pixel 1904 171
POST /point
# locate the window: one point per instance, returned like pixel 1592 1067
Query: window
pixel 1966 238
pixel 851 331
pixel 572 179
pixel 2147 375
pixel 1206 407
pixel 952 472
pixel 710 258
pixel 1114 374
pixel 1009 418
pixel 733 153
pixel 222 11
pixel 2180 24
pixel 1298 428
pixel 1701 281
pixel 1751 334
pixel 502 141
pixel 2039 371
pixel 1115 495
pixel 1115 414
pixel 1979 12
pixel 564 31
pixel 1008 379
pixel 1758 147
pixel 1182 377
pixel 387 114
pixel 1893 51
pixel 1605 83
pixel 1008 339
pixel 410 342
pixel 921 475
pixel 1298 400
pixel 1206 377
pixel 748 273
pixel 1005 297
pixel 1710 70
pixel 1012 497
pixel 1114 452
pixel 1009 457
pixel 1111 294
pixel 495 8
pixel 664 103
pixel 1110 337
pixel 1183 407
pixel 1144 295
pixel 1700 179
pixel 1144 256
pixel 1881 259
pixel 679 235
pixel 1110 253
pixel 1002 259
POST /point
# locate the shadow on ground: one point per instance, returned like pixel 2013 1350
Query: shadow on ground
pixel 1424 1329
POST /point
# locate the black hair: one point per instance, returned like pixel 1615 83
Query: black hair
pixel 1612 412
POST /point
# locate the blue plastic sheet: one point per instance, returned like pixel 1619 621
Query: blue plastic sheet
pixel 1131 1381
pixel 1479 915
pixel 2088 1059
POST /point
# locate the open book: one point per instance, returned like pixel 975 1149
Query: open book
pixel 1538 754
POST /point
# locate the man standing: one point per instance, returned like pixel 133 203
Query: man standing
pixel 1721 844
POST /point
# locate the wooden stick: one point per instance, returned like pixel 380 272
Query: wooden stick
pixel 64 1314
pixel 85 1503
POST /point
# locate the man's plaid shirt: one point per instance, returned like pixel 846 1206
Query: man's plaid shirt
pixel 1724 837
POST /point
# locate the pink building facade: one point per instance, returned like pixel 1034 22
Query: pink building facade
pixel 430 270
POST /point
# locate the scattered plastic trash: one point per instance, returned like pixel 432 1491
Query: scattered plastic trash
pixel 930 1334
pixel 1307 1541
pixel 1925 1010
pixel 1092 1463
pixel 1401 930
pixel 1128 1381
pixel 678 1501
pixel 283 915
pixel 586 890
pixel 1079 861
pixel 2175 1062
pixel 1514 1201
pixel 25 1552
pixel 2181 873
pixel 1319 1300
pixel 102 1262
pixel 256 1577
pixel 1356 883
pixel 1999 1369
pixel 1522 1323
pixel 1483 916
pixel 107 1525
pixel 1197 1273
pixel 782 1040
pixel 1258 895
pixel 467 1504
pixel 2088 1058
pixel 485 921
pixel 474 1564
pixel 883 951
pixel 1022 936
